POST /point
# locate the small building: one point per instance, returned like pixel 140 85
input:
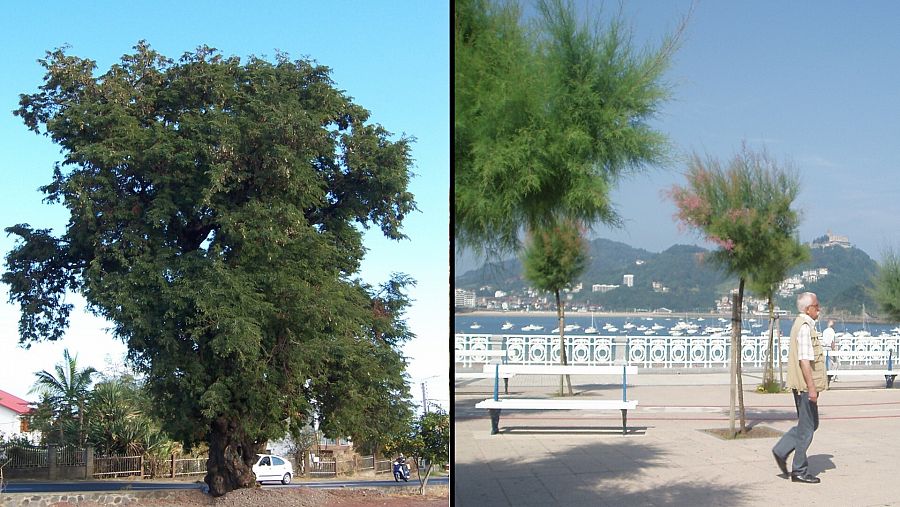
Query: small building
pixel 12 412
pixel 628 280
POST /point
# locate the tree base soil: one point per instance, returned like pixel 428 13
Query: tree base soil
pixel 752 432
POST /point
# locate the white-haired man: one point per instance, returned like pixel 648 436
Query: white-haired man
pixel 807 380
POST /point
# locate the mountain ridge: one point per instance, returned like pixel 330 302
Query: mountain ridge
pixel 684 281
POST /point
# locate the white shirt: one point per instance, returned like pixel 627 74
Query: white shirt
pixel 804 344
pixel 828 337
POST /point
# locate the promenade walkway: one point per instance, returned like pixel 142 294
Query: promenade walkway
pixel 579 459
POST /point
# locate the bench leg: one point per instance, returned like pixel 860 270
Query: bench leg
pixel 506 385
pixel 495 420
pixel 889 381
pixel 624 419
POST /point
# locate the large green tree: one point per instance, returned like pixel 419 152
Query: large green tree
pixel 216 209
pixel 547 118
pixel 554 257
pixel 743 206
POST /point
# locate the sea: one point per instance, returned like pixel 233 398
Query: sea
pixel 637 325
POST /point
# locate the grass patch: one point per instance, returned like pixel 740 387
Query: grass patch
pixel 771 387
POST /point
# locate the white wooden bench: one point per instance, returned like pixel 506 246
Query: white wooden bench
pixel 881 356
pixel 462 355
pixel 495 405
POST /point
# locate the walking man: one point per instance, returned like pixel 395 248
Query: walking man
pixel 807 379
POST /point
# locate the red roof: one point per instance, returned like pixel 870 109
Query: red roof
pixel 13 403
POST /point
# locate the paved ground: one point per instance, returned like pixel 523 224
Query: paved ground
pixel 581 458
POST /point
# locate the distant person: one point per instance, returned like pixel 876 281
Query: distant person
pixel 829 343
pixel 806 378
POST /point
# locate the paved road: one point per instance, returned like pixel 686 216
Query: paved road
pixel 60 487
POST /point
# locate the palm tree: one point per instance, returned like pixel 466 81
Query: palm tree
pixel 65 392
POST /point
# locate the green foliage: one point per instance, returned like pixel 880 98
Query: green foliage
pixel 63 394
pixel 216 215
pixel 555 256
pixel 887 285
pixel 745 208
pixel 547 120
pixel 427 439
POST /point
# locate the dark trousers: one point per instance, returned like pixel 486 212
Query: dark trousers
pixel 798 438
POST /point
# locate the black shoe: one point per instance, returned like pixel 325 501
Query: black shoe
pixel 781 462
pixel 809 479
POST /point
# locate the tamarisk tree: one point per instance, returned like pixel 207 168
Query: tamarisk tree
pixel 216 210
pixel 744 207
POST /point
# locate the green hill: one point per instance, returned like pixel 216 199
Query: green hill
pixel 684 281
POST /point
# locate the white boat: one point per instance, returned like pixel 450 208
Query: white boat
pixel 612 329
pixel 656 327
pixel 572 327
pixel 475 325
pixel 592 329
pixel 506 325
pixel 532 327
pixel 628 325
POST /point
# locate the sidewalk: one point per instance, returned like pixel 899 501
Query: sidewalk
pixel 576 458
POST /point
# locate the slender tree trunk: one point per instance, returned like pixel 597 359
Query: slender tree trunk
pixel 769 375
pixel 740 380
pixel 735 328
pixel 231 458
pixel 563 360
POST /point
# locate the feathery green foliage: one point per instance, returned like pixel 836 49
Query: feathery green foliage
pixel 887 284
pixel 553 259
pixel 745 208
pixel 546 120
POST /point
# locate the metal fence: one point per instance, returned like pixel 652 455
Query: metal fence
pixel 649 352
pixel 24 456
pixel 118 466
pixel 70 456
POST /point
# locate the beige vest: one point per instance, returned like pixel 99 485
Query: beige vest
pixel 795 374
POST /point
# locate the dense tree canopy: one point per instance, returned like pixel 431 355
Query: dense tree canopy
pixel 216 210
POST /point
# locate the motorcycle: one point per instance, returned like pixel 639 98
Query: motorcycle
pixel 401 471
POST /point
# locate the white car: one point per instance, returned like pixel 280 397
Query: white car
pixel 270 467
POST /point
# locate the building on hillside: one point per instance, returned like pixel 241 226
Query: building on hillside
pixel 603 287
pixel 12 415
pixel 464 299
pixel 628 280
pixel 831 240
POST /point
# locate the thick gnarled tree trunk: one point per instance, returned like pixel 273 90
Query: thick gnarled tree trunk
pixel 231 459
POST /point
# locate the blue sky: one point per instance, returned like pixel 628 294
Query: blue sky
pixel 814 83
pixel 391 56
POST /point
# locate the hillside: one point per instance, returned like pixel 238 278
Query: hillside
pixel 684 281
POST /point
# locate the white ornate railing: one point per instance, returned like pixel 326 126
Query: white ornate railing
pixel 647 351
